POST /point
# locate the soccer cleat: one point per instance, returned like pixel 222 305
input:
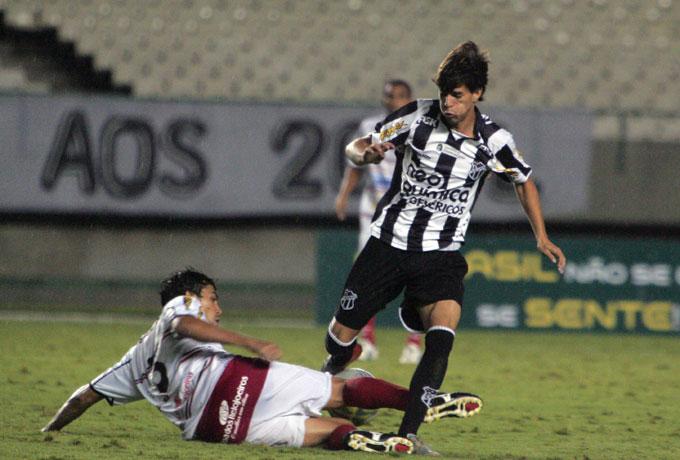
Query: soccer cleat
pixel 419 446
pixel 453 405
pixel 410 354
pixel 333 369
pixel 372 441
pixel 370 351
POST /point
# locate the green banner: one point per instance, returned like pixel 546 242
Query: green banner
pixel 609 284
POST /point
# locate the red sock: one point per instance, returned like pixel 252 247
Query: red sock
pixel 414 339
pixel 336 441
pixel 368 332
pixel 370 393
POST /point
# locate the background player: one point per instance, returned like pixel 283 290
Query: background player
pixel 179 366
pixel 396 93
pixel 445 148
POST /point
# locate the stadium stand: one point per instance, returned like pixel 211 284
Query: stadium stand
pixel 615 58
pixel 596 54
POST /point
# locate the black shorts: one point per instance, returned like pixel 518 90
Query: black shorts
pixel 381 272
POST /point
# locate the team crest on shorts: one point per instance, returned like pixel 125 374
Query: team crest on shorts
pixel 348 298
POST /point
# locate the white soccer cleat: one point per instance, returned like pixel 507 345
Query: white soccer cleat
pixel 460 405
pixel 373 441
pixel 410 354
pixel 370 352
pixel 419 446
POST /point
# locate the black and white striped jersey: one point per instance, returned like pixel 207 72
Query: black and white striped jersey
pixel 438 176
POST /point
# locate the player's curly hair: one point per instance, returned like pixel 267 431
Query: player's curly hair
pixel 465 65
pixel 182 281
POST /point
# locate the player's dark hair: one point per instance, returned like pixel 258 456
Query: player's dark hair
pixel 398 82
pixel 466 65
pixel 182 281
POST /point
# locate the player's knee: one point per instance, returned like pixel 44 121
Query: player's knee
pixel 439 341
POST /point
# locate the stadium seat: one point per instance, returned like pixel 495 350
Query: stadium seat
pixel 553 52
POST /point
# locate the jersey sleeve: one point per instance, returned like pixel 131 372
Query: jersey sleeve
pixel 396 126
pixel 180 306
pixel 365 129
pixel 507 162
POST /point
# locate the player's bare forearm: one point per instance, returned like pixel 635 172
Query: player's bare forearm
pixel 361 151
pixel 527 193
pixel 77 404
pixel 188 326
pixel 355 150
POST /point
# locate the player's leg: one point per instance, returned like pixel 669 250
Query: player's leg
pixel 440 320
pixel 367 340
pixel 342 346
pixel 373 281
pixel 339 434
pixel 367 393
pixel 321 430
pixel 432 304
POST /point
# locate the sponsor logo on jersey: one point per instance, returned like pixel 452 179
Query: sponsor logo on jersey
pixel 347 300
pixel 429 121
pixel 185 390
pixel 434 179
pixel 427 396
pixel 392 130
pixel 224 412
pixel 511 173
pixel 236 409
pixel 476 170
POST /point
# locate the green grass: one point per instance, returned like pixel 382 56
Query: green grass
pixel 547 396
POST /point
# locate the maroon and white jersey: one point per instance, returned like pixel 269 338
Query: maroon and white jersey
pixel 176 374
pixel 439 174
pixel 212 395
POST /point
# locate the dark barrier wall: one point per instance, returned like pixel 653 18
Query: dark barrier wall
pixel 96 155
pixel 609 284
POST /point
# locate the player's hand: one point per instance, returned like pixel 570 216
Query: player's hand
pixel 267 350
pixel 375 153
pixel 553 253
pixel 340 206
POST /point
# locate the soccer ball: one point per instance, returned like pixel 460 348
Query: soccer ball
pixel 355 415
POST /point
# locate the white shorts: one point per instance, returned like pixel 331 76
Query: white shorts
pixel 291 394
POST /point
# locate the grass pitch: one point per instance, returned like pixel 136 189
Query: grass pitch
pixel 546 396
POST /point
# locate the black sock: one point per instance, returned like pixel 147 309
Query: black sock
pixel 340 352
pixel 427 378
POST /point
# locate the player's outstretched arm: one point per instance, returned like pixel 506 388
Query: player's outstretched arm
pixel 188 326
pixel 361 151
pixel 528 196
pixel 74 407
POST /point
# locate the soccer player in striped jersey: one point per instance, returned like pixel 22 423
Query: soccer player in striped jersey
pixel 445 149
pixel 396 94
pixel 211 395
